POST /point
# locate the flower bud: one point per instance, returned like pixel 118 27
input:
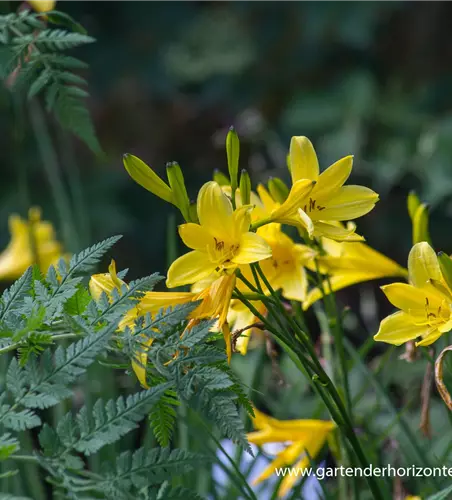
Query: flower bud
pixel 413 203
pixel 245 187
pixel 233 152
pixel 177 184
pixel 220 178
pixel 143 175
pixel 445 263
pixel 278 189
pixel 42 5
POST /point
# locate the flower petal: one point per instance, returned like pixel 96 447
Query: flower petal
pixel 195 236
pixel 139 363
pixel 294 285
pixel 191 267
pixel 296 199
pixel 242 220
pixel 284 457
pixel 408 297
pixel 252 249
pixel 398 328
pixel 306 222
pixel 333 178
pixel 423 264
pixel 303 159
pixel 268 202
pixel 101 283
pixel 152 302
pixel 431 337
pixel 337 233
pixel 348 203
pixel 215 211
pixel 337 282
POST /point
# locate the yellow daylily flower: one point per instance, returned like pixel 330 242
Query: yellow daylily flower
pixel 304 439
pixel 32 240
pixel 214 299
pixel 151 303
pixel 413 497
pixel 42 5
pixel 425 304
pixel 349 263
pixel 220 242
pixel 240 318
pixel 329 201
pixel 270 210
pixel 285 269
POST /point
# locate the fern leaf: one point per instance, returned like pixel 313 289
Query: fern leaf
pixel 163 418
pixel 84 261
pixel 20 420
pixel 148 467
pixel 52 39
pixel 8 446
pixel 12 297
pixel 115 419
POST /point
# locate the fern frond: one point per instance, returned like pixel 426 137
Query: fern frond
pixel 114 419
pixel 8 445
pixel 148 467
pixel 13 296
pixel 162 418
pixel 35 55
pixel 52 39
pixel 121 302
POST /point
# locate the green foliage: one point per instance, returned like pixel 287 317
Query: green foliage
pixel 36 314
pixel 195 369
pixel 35 65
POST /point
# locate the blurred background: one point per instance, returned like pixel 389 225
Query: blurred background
pixel 167 79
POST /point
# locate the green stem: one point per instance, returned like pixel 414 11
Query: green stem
pixel 50 164
pixel 320 379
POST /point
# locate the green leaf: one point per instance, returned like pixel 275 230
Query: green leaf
pixel 8 445
pixel 163 417
pixel 441 495
pixel 114 419
pixel 76 305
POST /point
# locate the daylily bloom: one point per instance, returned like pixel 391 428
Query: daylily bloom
pixel 425 304
pixel 306 438
pixel 220 242
pixel 214 300
pixel 151 303
pixel 42 5
pixel 240 318
pixel 329 201
pixel 348 264
pixel 285 269
pixel 32 241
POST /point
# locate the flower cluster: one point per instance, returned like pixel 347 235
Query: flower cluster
pixel 248 245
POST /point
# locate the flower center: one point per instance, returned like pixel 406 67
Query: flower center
pixel 311 206
pixel 221 252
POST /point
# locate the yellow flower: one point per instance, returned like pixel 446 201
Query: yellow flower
pixel 31 241
pixel 42 5
pixel 413 497
pixel 348 264
pixel 214 299
pixel 329 201
pixel 306 438
pixel 240 317
pixel 151 303
pixel 425 304
pixel 220 242
pixel 285 268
